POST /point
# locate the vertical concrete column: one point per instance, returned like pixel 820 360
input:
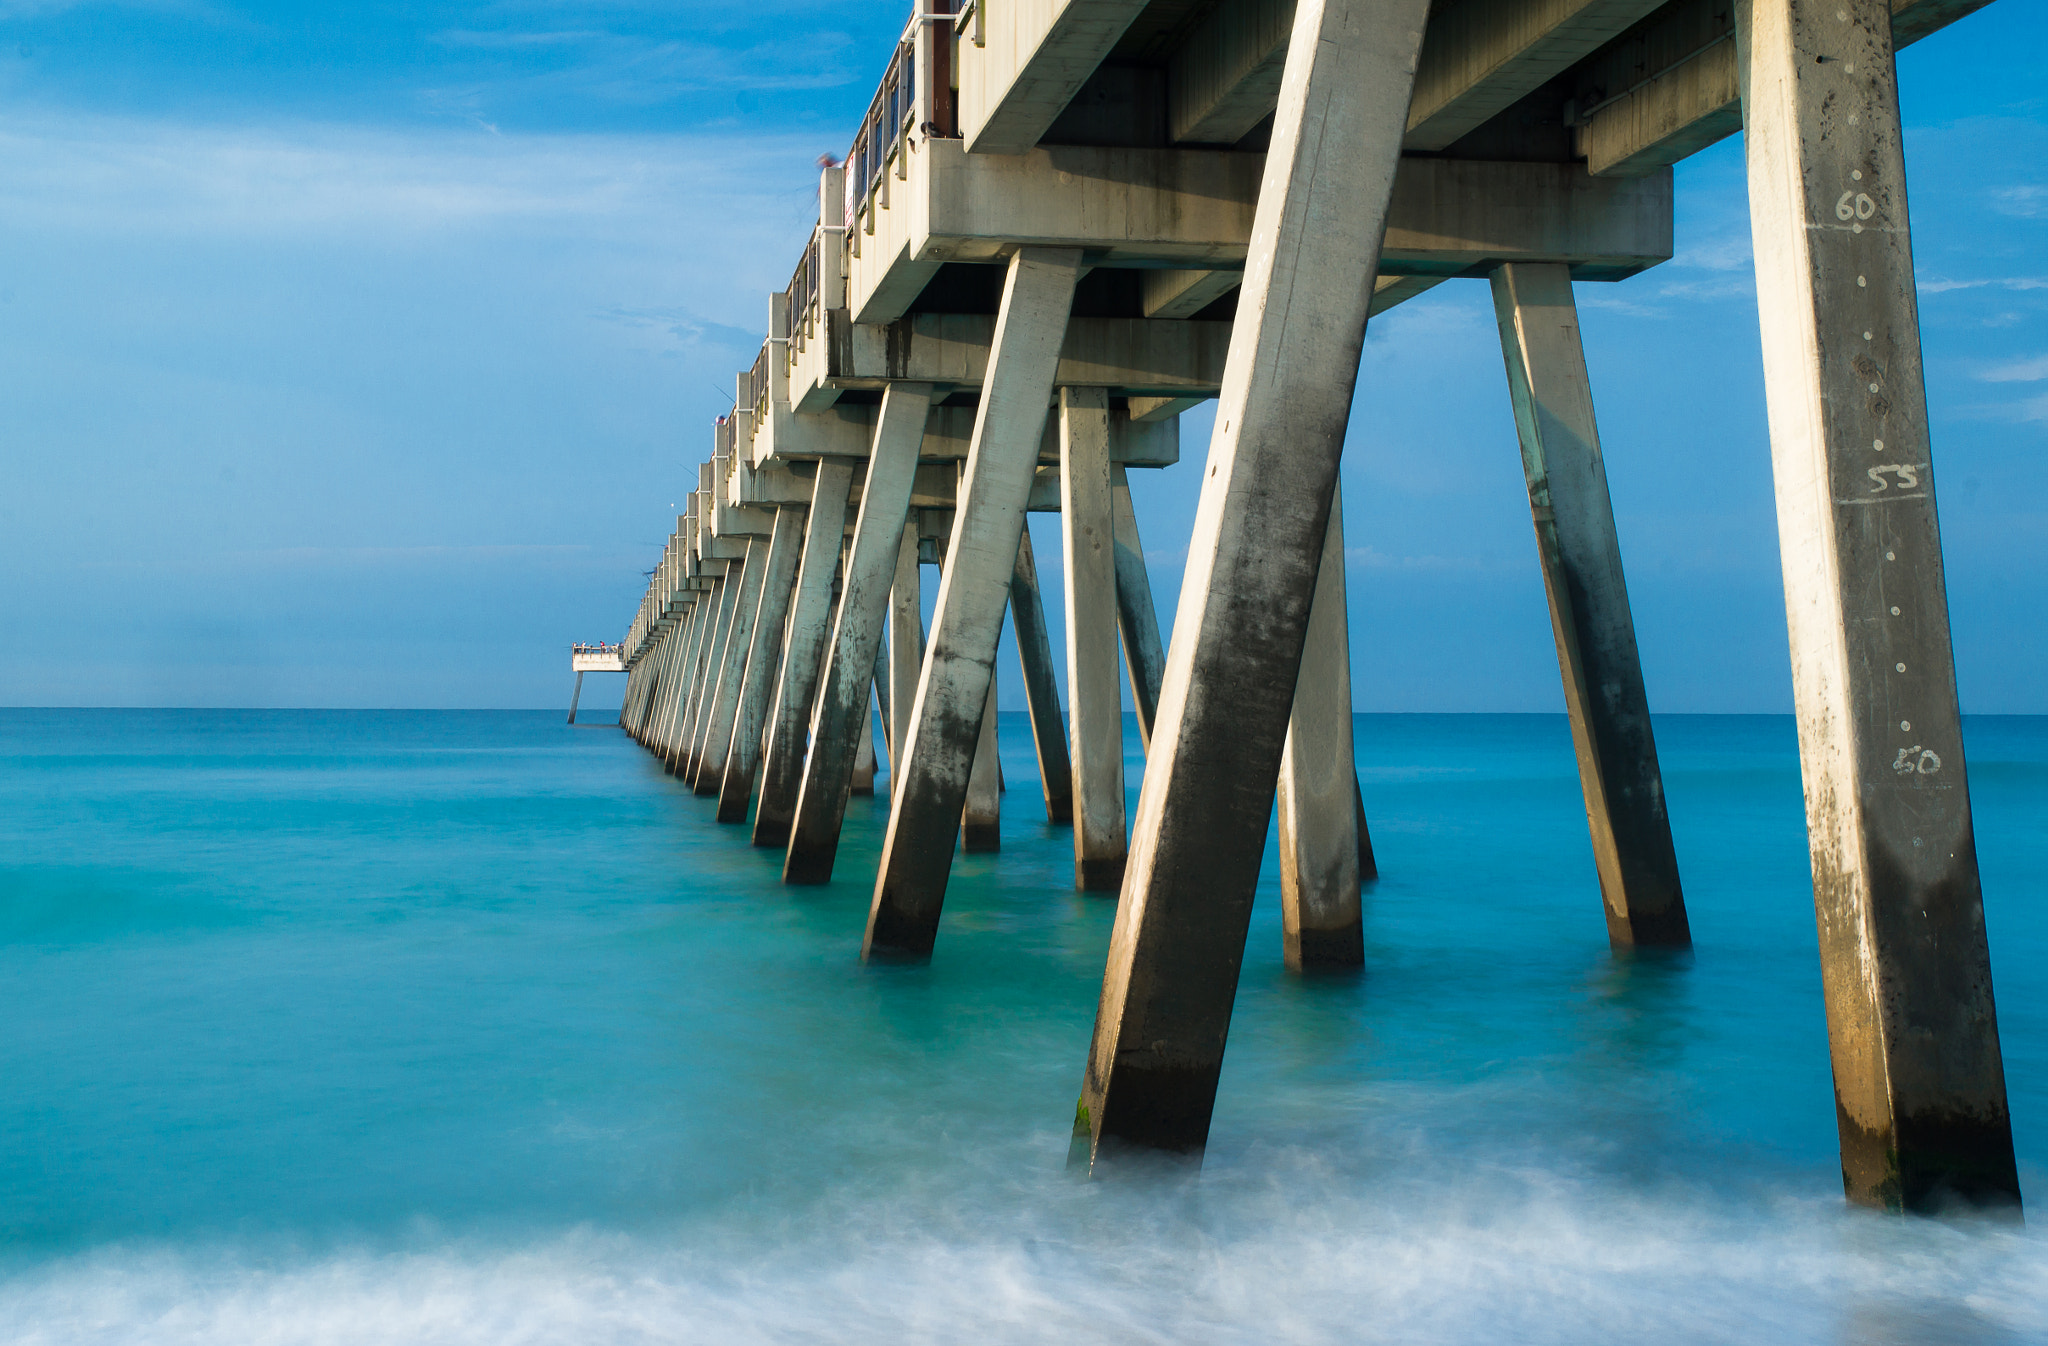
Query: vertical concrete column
pixel 810 626
pixel 764 659
pixel 906 646
pixel 739 644
pixel 1905 964
pixel 981 556
pixel 1252 563
pixel 1589 612
pixel 1144 654
pixel 1041 685
pixel 575 697
pixel 840 718
pixel 1094 701
pixel 1318 804
pixel 981 817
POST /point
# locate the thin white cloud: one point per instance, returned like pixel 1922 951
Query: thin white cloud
pixel 2018 371
pixel 2028 201
pixel 1991 282
pixel 1372 558
pixel 132 176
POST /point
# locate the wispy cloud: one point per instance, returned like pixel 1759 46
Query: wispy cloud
pixel 1989 282
pixel 1372 558
pixel 124 176
pixel 2028 201
pixel 2018 371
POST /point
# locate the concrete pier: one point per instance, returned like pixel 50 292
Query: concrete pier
pixel 1905 963
pixel 981 557
pixel 1094 701
pixel 1252 564
pixel 1589 612
pixel 1146 204
pixel 840 719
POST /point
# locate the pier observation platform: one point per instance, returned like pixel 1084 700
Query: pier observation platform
pixel 1061 224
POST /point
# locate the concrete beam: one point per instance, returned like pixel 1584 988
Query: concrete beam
pixel 1671 85
pixel 1905 963
pixel 1031 58
pixel 1124 354
pixel 1480 57
pixel 1260 527
pixel 1224 79
pixel 1183 294
pixel 1580 553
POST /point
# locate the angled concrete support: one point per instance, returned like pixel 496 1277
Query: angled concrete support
pixel 906 648
pixel 695 688
pixel 1589 612
pixel 764 660
pixel 732 672
pixel 1094 701
pixel 575 697
pixel 1905 963
pixel 1252 565
pixel 981 817
pixel 1137 622
pixel 810 627
pixel 709 701
pixel 864 761
pixel 981 557
pixel 1041 685
pixel 1318 800
pixel 840 719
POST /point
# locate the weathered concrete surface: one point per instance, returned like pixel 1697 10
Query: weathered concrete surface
pixel 1094 702
pixel 1136 619
pixel 981 557
pixel 840 718
pixel 1580 553
pixel 1041 685
pixel 764 660
pixel 810 626
pixel 1252 564
pixel 1905 963
pixel 981 817
pixel 1032 57
pixel 1318 805
pixel 906 648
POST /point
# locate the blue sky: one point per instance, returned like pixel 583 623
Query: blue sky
pixel 354 354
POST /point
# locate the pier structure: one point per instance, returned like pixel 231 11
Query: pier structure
pixel 592 657
pixel 1059 226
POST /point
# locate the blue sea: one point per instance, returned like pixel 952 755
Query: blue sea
pixel 397 1027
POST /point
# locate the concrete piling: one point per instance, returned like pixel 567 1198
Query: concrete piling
pixel 981 557
pixel 1317 802
pixel 1094 701
pixel 1137 622
pixel 810 627
pixel 1252 565
pixel 841 717
pixel 1905 962
pixel 1580 554
pixel 764 660
pixel 1041 686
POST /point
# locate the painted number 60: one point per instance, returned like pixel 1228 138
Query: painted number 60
pixel 1855 206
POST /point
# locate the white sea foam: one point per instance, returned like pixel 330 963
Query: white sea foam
pixel 1287 1249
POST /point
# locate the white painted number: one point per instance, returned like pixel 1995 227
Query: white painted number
pixel 1909 475
pixel 1916 760
pixel 1855 206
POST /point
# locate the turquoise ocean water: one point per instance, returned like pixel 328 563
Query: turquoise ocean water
pixel 440 1027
